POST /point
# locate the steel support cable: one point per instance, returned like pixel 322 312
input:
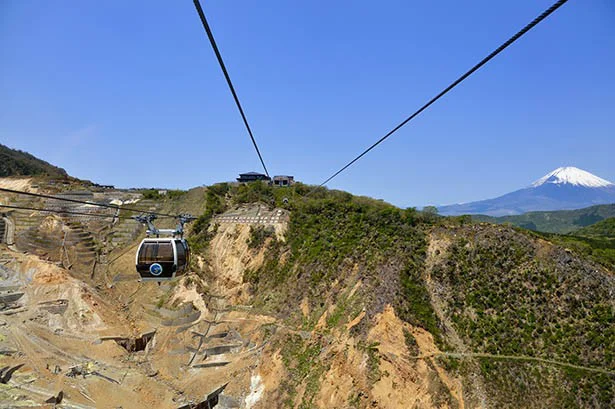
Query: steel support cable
pixel 484 61
pixel 62 212
pixel 66 199
pixel 128 249
pixel 210 35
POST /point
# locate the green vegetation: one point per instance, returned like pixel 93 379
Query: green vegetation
pixel 419 312
pixel 449 363
pixel 504 290
pixel 514 384
pixel 258 235
pixel 373 360
pixel 215 203
pixel 504 299
pixel 301 361
pixel 413 347
pixel 162 300
pixel 439 392
pixel 18 163
pixel 329 233
pixel 604 228
pixel 562 221
pixel 596 248
pixel 346 309
pixel 154 194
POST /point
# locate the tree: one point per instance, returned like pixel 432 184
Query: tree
pixel 430 213
pixel 430 210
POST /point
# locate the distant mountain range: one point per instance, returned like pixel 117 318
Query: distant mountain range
pixel 560 221
pixel 17 163
pixel 563 189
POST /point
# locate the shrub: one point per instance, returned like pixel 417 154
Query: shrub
pixel 258 235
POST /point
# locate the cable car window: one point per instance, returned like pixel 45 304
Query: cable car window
pixel 165 251
pixel 156 252
pixel 146 253
pixel 181 252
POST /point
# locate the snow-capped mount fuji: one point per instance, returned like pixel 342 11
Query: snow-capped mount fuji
pixel 565 188
pixel 572 176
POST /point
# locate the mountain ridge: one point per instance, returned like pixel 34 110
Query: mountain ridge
pixel 558 221
pixel 14 162
pixel 350 302
pixel 565 188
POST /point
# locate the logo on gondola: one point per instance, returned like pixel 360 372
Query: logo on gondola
pixel 155 269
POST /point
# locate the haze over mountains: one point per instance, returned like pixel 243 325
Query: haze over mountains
pixel 564 188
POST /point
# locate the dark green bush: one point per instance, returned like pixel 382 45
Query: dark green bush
pixel 258 235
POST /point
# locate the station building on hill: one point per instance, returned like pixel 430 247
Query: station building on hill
pixel 252 177
pixel 279 180
pixel 283 180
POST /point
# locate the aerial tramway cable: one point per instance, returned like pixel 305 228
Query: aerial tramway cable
pixel 157 258
pixel 210 35
pixel 66 199
pixel 484 61
pixel 60 212
pixel 197 4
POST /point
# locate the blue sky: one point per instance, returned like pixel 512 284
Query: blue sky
pixel 129 93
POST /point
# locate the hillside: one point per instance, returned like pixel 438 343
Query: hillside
pixel 18 163
pixel 562 221
pixel 604 228
pixel 497 303
pixel 331 301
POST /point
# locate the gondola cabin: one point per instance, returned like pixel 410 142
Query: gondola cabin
pixel 161 259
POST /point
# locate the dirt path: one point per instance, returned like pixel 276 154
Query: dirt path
pixel 513 358
pixel 46 393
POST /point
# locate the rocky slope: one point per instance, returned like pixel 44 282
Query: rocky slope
pixel 328 302
pixel 506 312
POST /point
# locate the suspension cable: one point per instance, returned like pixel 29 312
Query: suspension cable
pixel 210 35
pixel 498 50
pixel 66 199
pixel 60 212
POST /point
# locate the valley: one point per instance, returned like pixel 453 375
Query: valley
pixel 334 301
pixel 228 216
